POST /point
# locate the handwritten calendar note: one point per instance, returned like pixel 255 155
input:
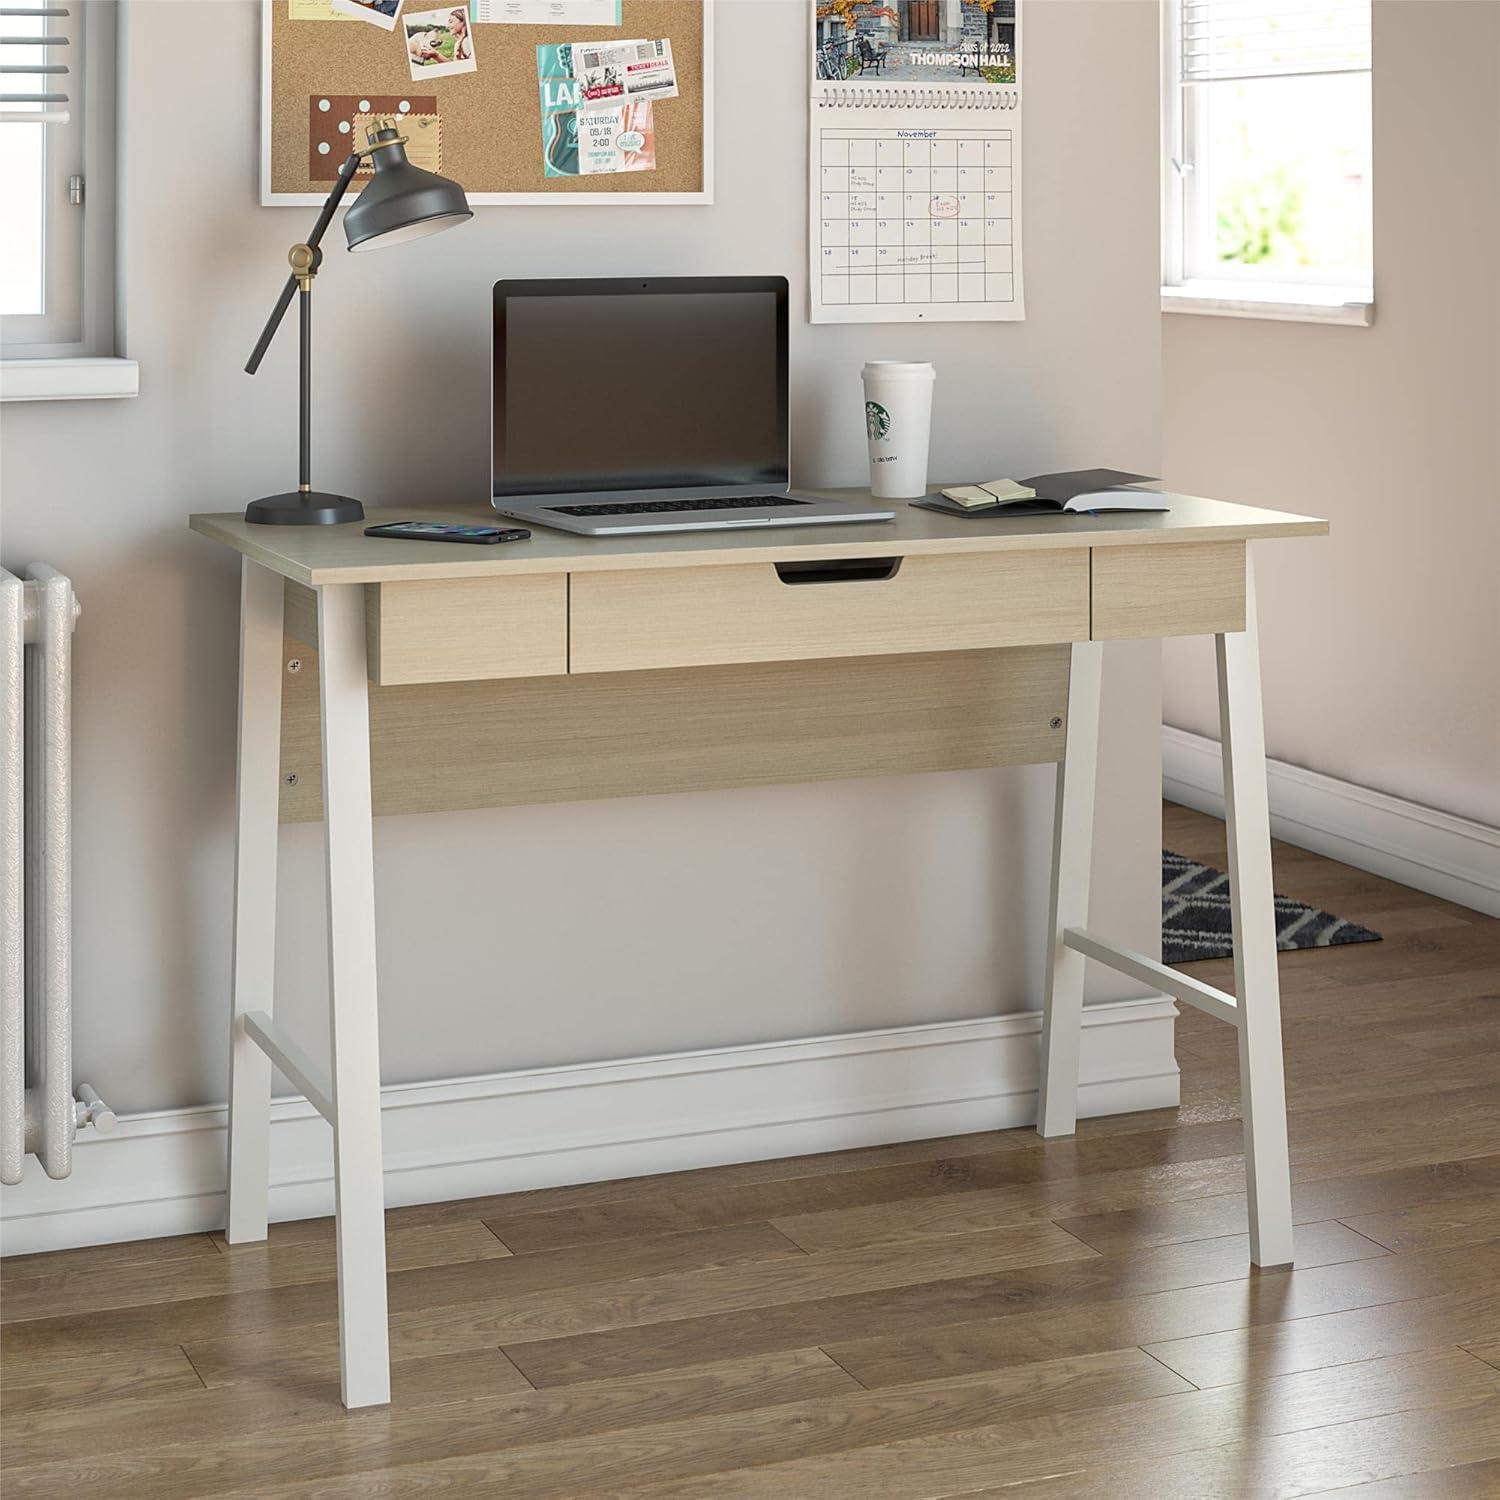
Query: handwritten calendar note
pixel 915 189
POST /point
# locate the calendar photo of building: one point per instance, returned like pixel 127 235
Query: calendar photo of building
pixel 917 41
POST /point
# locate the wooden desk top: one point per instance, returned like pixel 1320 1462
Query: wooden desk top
pixel 314 555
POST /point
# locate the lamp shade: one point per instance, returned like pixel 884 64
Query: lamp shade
pixel 401 202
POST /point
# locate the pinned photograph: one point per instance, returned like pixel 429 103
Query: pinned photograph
pixel 381 13
pixel 439 43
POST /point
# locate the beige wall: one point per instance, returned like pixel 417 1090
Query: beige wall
pixel 1382 645
pixel 541 935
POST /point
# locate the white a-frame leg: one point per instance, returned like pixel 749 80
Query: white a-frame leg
pixel 257 789
pixel 348 1094
pixel 354 1024
pixel 1247 818
pixel 1072 851
pixel 1255 1008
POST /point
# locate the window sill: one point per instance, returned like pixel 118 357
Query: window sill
pixel 1350 306
pixel 68 379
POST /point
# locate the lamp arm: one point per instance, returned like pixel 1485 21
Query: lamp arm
pixel 284 301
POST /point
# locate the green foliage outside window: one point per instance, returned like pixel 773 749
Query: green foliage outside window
pixel 1262 218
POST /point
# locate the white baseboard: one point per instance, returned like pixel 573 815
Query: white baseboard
pixel 1418 846
pixel 163 1173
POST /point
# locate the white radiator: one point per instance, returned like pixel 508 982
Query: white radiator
pixel 38 1112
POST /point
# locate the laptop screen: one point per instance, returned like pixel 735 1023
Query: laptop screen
pixel 639 385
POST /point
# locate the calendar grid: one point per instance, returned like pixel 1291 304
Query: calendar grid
pixel 916 217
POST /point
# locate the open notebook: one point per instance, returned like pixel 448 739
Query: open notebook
pixel 1075 491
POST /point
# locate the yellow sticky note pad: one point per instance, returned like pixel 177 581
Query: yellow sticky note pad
pixel 313 10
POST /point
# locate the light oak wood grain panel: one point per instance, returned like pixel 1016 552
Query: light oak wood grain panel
pixel 300 614
pixel 342 554
pixel 444 746
pixel 710 616
pixel 1197 589
pixel 468 629
pixel 455 630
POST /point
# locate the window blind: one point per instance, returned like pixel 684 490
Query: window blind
pixel 1224 39
pixel 32 90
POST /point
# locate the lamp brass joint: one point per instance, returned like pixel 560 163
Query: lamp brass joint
pixel 381 125
pixel 304 261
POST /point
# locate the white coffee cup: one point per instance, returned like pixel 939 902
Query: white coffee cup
pixel 898 422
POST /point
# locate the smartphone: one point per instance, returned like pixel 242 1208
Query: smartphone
pixel 438 531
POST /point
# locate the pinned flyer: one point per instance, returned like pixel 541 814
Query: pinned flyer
pixel 439 43
pixel 614 73
pixel 381 13
pixel 584 143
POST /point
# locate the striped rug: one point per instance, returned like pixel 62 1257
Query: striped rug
pixel 1195 916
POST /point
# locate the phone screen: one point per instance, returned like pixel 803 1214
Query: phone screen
pixel 437 528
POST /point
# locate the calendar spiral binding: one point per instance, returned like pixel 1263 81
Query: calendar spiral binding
pixel 869 97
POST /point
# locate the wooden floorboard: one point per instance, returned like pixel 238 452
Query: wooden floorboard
pixel 951 1317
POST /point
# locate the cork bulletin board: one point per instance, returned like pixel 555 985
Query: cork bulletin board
pixel 484 128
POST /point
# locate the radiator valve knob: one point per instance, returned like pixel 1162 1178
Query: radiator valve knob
pixel 92 1110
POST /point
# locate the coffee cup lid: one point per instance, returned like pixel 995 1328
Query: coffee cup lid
pixel 899 369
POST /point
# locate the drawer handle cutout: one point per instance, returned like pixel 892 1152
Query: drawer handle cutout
pixel 839 570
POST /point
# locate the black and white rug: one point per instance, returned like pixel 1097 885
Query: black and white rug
pixel 1195 916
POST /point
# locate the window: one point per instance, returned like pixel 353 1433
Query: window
pixel 57 99
pixel 1267 178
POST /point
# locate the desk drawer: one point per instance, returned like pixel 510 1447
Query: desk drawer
pixel 690 617
pixel 467 629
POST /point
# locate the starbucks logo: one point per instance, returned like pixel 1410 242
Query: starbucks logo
pixel 877 422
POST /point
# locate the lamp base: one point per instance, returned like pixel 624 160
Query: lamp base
pixel 304 508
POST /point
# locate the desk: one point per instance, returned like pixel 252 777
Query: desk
pixel 432 677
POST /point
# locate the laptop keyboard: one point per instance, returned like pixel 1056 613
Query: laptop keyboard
pixel 655 507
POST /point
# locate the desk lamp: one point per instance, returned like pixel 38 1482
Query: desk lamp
pixel 401 202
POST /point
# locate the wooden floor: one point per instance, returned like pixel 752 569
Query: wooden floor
pixel 950 1317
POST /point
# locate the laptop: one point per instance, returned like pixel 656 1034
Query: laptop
pixel 627 405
